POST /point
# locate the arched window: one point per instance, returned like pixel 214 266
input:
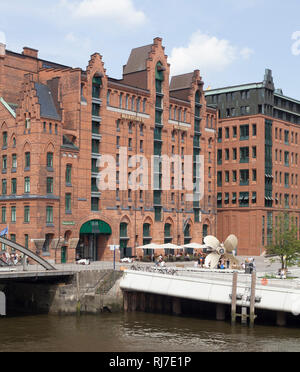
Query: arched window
pixel 168 233
pixel 125 251
pixel 96 86
pixel 187 234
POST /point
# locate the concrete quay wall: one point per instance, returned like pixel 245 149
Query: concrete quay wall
pixel 84 292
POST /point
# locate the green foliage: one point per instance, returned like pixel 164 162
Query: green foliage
pixel 285 242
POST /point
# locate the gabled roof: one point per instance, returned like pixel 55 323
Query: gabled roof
pixel 137 59
pixel 48 109
pixel 181 81
pixel 8 107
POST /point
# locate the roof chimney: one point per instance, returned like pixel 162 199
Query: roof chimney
pixel 2 50
pixel 30 52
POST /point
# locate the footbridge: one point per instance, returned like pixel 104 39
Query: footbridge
pixel 224 289
pixel 45 264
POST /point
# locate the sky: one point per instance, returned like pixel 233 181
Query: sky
pixel 231 42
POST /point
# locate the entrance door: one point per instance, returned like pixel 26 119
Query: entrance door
pixel 93 234
pixel 63 254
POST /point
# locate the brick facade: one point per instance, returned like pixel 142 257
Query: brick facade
pixel 66 119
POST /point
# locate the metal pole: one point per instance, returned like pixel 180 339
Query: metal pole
pixel 252 300
pixel 233 298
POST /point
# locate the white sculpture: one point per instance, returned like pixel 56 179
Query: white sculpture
pixel 218 249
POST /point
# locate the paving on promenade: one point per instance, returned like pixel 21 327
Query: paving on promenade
pixel 264 266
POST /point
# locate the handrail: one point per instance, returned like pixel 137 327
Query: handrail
pixel 28 253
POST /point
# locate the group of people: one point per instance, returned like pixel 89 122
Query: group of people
pixel 249 265
pixel 11 259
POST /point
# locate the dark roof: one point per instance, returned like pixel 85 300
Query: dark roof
pixel 137 59
pixel 182 81
pixel 13 106
pixel 48 109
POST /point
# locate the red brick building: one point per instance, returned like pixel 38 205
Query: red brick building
pixel 257 161
pixel 57 121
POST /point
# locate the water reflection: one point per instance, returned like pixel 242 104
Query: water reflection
pixel 139 332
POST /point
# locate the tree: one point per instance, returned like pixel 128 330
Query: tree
pixel 285 242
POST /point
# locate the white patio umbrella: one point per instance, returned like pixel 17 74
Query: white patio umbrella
pixel 150 246
pixel 195 246
pixel 171 246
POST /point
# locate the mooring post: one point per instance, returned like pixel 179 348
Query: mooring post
pixel 78 304
pixel 252 299
pixel 233 298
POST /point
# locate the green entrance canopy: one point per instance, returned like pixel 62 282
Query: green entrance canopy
pixel 96 227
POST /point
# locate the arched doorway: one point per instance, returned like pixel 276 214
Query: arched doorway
pixel 93 240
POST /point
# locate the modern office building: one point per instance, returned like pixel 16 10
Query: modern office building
pixel 257 161
pixel 60 124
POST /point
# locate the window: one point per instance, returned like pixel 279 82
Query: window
pixel 254 176
pixel 27 185
pixel 234 198
pixel 158 214
pixel 234 176
pixel 68 174
pixel 226 198
pixel 14 186
pixel 14 161
pixel 286 137
pixel 4 162
pixel 254 130
pixel 121 100
pixel 3 215
pixel 219 179
pixel 244 155
pixel 49 214
pixel 244 177
pixel 220 135
pixel 244 132
pixel 227 176
pixel 254 197
pixel 226 154
pixel 286 180
pixel 108 97
pixel 244 199
pixel 49 185
pixel 286 158
pixel 226 132
pixel 27 123
pixel 27 214
pixel 4 186
pixel 50 159
pixel 254 154
pixel 95 204
pixel 144 104
pixel 13 214
pixel 4 139
pixel 234 153
pixel 234 130
pixel 219 158
pixel 68 203
pixel 219 200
